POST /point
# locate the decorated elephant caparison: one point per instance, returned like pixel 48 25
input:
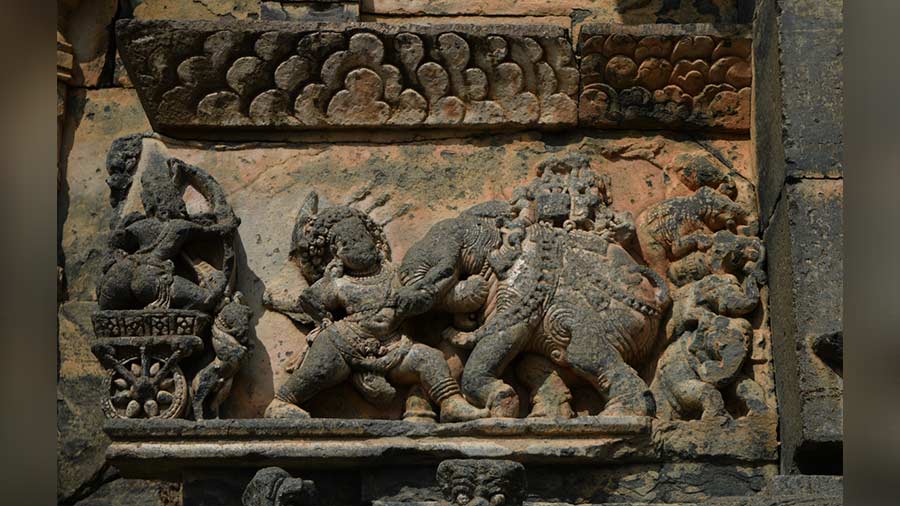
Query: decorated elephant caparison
pixel 568 291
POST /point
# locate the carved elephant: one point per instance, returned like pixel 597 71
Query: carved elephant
pixel 580 300
pixel 710 344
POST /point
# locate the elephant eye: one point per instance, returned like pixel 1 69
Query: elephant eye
pixel 498 500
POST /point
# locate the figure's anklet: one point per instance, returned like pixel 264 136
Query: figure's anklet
pixel 443 390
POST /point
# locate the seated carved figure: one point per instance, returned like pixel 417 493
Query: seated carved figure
pixel 357 303
pixel 152 265
pixel 701 363
pixel 710 345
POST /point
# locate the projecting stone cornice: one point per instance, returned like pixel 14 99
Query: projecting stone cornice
pixel 254 78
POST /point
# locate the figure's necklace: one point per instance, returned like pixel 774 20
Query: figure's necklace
pixel 371 277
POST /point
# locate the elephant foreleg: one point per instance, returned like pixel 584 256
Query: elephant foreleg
pixel 481 377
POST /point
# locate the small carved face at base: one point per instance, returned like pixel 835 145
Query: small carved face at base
pixel 482 482
pixel 274 486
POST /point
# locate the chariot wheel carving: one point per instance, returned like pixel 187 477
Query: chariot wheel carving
pixel 146 386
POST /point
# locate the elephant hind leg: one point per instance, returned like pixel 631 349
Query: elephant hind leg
pixel 550 397
pixel 591 355
pixel 481 377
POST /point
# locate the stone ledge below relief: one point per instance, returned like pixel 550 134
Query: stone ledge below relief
pixel 160 448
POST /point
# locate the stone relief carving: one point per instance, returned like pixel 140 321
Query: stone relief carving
pixel 568 291
pixel 273 486
pixel 168 278
pixel 313 76
pixel 359 308
pixel 665 80
pixel 303 76
pixel 462 482
pixel 718 275
pixel 466 482
pixel 552 284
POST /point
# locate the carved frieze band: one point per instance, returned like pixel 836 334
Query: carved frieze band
pixel 315 76
pixel 676 78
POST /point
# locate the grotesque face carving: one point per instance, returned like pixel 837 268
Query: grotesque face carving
pixel 274 486
pixel 566 193
pixel 482 482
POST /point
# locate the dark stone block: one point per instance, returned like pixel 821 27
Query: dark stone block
pixel 805 242
pixel 132 493
pixel 808 485
pixel 798 118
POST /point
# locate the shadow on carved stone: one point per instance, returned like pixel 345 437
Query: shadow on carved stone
pixel 274 486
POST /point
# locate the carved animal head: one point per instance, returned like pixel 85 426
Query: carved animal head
pixel 738 255
pixel 729 253
pixel 161 191
pixel 720 212
pixel 696 171
pixel 336 232
pixel 482 482
pixel 121 164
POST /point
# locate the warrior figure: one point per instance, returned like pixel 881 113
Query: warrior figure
pixel 359 307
